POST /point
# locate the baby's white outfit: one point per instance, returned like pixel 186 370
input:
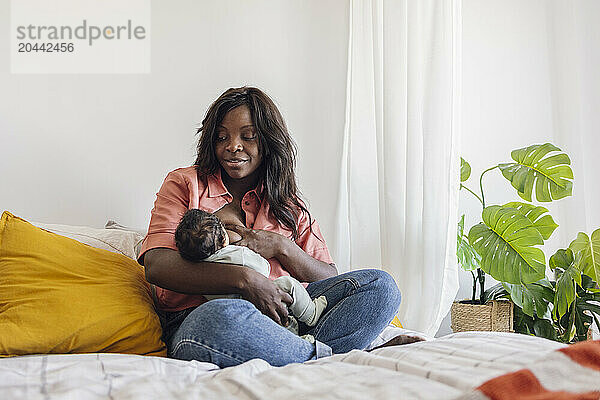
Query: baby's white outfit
pixel 303 307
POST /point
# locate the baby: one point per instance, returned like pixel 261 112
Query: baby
pixel 201 236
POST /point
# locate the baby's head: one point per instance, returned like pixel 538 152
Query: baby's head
pixel 199 234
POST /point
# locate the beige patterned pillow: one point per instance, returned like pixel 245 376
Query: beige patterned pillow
pixel 116 240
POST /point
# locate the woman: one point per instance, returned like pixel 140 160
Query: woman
pixel 244 173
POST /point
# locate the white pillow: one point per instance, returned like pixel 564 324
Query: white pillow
pixel 116 240
pixel 110 224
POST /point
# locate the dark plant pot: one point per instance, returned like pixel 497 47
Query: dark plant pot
pixel 496 315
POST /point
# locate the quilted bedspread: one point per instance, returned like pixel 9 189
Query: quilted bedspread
pixel 452 367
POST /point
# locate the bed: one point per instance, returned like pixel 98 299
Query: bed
pixel 470 365
pixel 445 368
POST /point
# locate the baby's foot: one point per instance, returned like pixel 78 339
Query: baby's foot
pixel 310 338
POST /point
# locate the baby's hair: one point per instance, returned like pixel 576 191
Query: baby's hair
pixel 199 234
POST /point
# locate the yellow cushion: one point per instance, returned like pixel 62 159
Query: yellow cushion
pixel 61 296
pixel 396 322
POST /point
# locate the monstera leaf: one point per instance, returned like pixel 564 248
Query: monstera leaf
pixel 582 313
pixel 465 170
pixel 587 304
pixel 568 276
pixel 589 247
pixel 543 164
pixel 468 258
pixel 533 297
pixel 505 240
pixel 543 223
pixel 533 325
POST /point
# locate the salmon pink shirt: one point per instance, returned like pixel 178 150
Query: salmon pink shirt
pixel 183 190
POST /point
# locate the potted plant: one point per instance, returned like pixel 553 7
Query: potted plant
pixel 504 244
pixel 562 309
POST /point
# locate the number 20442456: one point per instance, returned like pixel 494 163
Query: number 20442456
pixel 26 47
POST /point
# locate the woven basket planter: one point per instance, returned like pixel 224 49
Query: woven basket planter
pixel 494 316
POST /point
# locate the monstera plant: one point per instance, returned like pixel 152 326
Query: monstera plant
pixel 506 244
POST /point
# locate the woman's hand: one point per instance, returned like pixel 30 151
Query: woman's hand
pixel 267 244
pixel 267 297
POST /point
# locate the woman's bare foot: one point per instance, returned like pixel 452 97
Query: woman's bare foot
pixel 398 340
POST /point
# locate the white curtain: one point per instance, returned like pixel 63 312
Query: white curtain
pixel 398 197
pixel 574 63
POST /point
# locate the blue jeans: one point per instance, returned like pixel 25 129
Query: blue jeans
pixel 227 332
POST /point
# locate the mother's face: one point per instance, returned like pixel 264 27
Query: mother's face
pixel 236 145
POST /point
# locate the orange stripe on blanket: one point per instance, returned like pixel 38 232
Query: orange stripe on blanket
pixel 586 354
pixel 523 385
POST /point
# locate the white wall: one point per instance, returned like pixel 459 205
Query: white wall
pixel 80 149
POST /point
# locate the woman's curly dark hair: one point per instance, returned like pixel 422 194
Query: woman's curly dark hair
pixel 277 148
pixel 199 234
